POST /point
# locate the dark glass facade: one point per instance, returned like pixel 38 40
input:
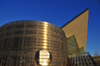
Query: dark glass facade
pixel 20 40
pixel 82 59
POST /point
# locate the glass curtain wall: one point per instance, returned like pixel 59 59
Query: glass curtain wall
pixel 72 46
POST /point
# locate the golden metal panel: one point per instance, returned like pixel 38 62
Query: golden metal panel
pixel 22 39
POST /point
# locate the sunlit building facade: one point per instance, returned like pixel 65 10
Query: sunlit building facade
pixel 76 33
pixel 28 42
pixel 39 43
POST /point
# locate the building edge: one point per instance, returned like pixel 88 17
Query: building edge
pixel 74 17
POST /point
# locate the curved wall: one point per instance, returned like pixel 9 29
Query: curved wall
pixel 20 40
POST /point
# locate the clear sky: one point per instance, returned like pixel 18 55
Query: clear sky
pixel 57 12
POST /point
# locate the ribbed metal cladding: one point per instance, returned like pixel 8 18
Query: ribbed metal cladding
pixel 20 40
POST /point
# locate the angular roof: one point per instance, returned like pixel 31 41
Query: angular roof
pixel 78 26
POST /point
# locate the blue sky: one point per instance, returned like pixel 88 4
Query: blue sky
pixel 57 12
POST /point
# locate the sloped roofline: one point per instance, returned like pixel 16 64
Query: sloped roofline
pixel 75 17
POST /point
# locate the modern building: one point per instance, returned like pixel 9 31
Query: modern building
pixel 76 33
pixel 82 59
pixel 27 42
pixel 30 42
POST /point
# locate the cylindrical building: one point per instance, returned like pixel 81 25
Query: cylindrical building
pixel 29 42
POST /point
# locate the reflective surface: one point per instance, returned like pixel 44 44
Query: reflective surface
pixel 43 57
pixel 20 40
pixel 72 46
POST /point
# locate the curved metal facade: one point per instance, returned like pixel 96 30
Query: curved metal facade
pixel 20 40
